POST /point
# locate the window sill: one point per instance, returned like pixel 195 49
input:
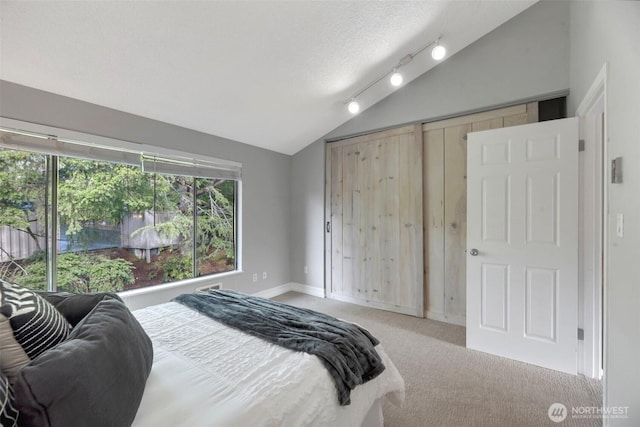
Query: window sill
pixel 204 280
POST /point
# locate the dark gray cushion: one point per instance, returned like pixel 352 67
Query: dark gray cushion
pixel 95 378
pixel 74 307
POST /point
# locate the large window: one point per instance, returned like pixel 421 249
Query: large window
pixel 86 225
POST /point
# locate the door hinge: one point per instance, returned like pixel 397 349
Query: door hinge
pixel 580 334
pixel 581 145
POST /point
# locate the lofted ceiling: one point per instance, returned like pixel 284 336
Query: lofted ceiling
pixel 273 74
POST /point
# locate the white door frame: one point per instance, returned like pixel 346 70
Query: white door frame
pixel 593 259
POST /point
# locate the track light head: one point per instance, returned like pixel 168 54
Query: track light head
pixel 353 107
pixel 438 52
pixel 396 78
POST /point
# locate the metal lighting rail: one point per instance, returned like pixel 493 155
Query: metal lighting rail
pixel 403 61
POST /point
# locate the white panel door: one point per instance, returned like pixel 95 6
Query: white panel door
pixel 522 243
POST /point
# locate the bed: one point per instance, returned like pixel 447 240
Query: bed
pixel 170 365
pixel 237 379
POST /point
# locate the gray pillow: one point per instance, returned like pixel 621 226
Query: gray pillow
pixel 95 378
pixel 74 307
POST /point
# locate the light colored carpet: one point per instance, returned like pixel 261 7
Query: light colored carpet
pixel 449 385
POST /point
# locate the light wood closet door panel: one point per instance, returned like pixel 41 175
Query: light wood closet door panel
pixel 433 141
pixel 487 124
pixel 455 217
pixel 375 199
pixel 445 207
pixel 342 249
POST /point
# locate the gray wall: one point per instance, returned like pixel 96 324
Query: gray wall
pixel 266 195
pixel 524 58
pixel 307 216
pixel 610 32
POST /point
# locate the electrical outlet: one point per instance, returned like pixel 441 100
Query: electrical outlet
pixel 255 277
pixel 306 270
pixel 264 275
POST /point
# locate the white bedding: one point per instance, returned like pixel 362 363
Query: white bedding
pixel 207 374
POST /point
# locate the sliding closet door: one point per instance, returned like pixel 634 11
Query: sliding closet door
pixel 374 228
pixel 445 205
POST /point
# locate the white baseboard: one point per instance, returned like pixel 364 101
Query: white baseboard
pixel 306 289
pixel 274 292
pixel 410 311
pixel 291 287
pixel 441 317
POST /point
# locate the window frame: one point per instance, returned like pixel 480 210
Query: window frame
pixel 199 164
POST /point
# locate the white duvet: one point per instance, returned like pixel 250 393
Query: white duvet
pixel 207 374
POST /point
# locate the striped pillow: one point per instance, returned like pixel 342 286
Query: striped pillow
pixel 37 326
pixel 8 412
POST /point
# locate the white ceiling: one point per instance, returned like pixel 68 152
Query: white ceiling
pixel 272 74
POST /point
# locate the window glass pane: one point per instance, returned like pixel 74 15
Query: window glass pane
pixel 120 228
pixel 174 227
pixel 22 218
pixel 216 226
pixel 94 200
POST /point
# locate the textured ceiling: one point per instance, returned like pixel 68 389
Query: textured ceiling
pixel 266 73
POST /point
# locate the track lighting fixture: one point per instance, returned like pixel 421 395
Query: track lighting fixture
pixel 396 77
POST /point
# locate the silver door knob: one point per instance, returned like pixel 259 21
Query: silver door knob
pixel 473 252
